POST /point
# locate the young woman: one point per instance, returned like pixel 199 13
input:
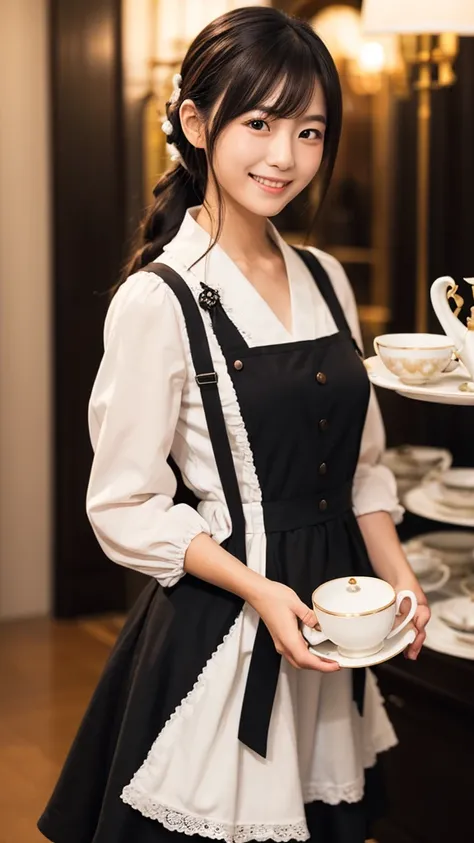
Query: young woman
pixel 237 356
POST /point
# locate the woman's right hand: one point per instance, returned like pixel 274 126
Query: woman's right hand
pixel 280 609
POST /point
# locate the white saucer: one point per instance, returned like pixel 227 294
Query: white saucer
pixel 458 613
pixel 422 501
pixel 447 390
pixel 391 648
pixel 442 639
pixel 435 490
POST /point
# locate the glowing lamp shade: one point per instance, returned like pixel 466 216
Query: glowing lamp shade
pixel 418 16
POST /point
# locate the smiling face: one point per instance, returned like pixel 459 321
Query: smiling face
pixel 262 161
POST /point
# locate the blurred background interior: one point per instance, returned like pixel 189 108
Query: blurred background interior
pixel 82 87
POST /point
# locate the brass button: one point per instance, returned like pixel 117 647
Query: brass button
pixel 321 377
pixel 323 505
pixel 238 365
pixel 322 468
pixel 323 424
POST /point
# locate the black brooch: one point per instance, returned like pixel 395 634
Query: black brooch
pixel 208 298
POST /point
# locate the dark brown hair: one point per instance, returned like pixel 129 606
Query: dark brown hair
pixel 241 57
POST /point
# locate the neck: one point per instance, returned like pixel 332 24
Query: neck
pixel 244 236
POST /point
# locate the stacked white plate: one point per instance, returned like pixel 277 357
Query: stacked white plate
pixel 447 497
pixel 451 628
pixel 411 463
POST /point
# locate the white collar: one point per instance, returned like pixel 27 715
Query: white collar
pixel 238 295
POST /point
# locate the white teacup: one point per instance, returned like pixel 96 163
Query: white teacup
pixel 357 614
pixel 415 358
pixel 433 573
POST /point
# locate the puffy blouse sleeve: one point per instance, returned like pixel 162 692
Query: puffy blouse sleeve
pixel 374 488
pixel 133 411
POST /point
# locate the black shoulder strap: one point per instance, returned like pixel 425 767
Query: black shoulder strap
pixel 206 378
pixel 327 291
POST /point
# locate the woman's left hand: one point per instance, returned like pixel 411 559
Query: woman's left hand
pixel 420 619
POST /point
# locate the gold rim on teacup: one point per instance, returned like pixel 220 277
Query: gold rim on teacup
pixel 414 347
pixel 350 614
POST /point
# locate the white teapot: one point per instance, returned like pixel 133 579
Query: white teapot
pixel 443 289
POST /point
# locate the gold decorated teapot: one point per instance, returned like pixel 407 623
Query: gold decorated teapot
pixel 442 290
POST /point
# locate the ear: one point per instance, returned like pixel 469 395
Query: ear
pixel 192 124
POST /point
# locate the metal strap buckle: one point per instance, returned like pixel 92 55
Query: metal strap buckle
pixel 206 378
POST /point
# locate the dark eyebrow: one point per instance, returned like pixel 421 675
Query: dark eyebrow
pixel 270 112
pixel 317 118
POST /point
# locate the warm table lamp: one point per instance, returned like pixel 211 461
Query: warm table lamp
pixel 429 32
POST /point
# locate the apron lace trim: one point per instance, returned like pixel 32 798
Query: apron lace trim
pixel 188 824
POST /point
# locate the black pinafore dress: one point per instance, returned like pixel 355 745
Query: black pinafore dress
pixel 304 405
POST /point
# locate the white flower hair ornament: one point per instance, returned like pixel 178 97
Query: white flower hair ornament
pixel 177 82
pixel 167 126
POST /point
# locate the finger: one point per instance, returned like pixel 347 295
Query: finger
pixel 311 662
pixel 305 614
pixel 307 661
pixel 419 641
pixel 299 652
pixel 422 617
pixel 324 665
pixel 414 649
pixel 405 606
pixel 291 660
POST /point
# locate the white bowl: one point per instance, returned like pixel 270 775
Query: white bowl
pixel 415 358
pixel 458 487
pixel 454 547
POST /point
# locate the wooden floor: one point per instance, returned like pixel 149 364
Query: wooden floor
pixel 47 673
pixel 48 670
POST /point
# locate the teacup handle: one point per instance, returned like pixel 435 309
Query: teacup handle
pixel 411 614
pixel 465 587
pixel 313 636
pixel 445 572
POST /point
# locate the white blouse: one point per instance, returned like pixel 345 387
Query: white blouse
pixel 145 404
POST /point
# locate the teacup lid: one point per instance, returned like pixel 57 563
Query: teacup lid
pixel 353 596
pixel 458 612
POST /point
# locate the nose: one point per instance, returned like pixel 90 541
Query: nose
pixel 280 151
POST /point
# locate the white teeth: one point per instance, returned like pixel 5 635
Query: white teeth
pixel 270 183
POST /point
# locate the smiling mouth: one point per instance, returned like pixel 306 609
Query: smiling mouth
pixel 276 183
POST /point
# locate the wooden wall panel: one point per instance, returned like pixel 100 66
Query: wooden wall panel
pixel 88 190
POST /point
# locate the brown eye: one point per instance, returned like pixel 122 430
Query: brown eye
pixel 258 125
pixel 317 134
